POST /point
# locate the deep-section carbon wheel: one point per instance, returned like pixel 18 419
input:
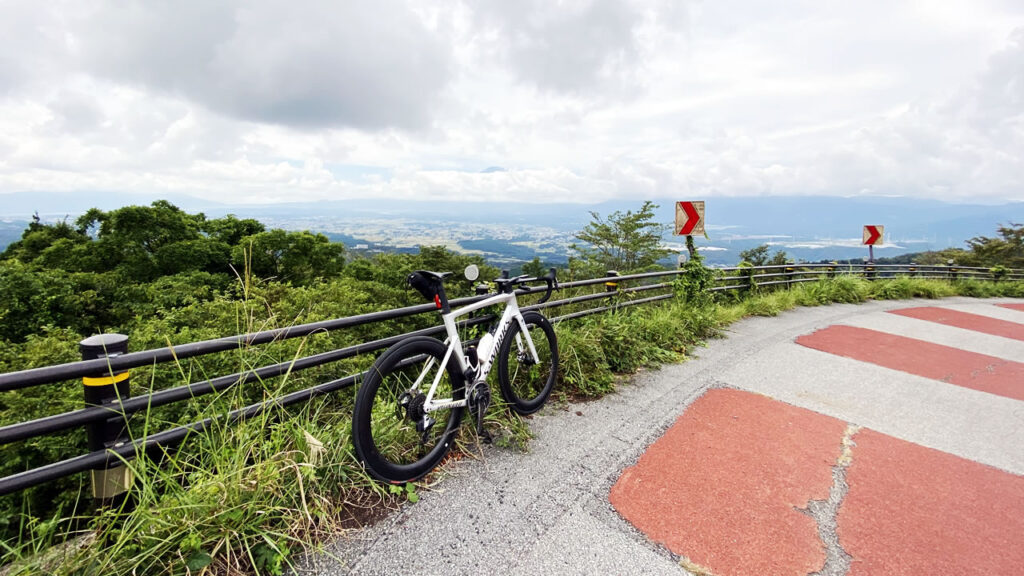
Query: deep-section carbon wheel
pixel 393 436
pixel 526 385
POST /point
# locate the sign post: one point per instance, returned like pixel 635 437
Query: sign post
pixel 872 236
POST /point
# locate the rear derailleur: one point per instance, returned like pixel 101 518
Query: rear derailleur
pixel 414 411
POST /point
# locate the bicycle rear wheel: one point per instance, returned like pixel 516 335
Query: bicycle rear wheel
pixel 526 384
pixel 384 422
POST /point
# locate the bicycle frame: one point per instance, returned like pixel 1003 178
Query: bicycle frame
pixel 510 314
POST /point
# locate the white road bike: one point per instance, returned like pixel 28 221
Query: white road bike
pixel 410 404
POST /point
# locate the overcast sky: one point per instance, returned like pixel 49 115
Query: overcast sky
pixel 535 101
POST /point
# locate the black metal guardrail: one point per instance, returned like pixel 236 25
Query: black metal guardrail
pixel 106 364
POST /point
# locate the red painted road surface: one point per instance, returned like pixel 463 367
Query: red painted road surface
pixel 1019 307
pixel 727 487
pixel 959 319
pixel 912 510
pixel 968 369
pixel 723 485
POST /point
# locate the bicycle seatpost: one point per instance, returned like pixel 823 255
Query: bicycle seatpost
pixel 441 299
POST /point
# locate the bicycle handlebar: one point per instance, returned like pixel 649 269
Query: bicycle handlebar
pixel 552 281
pixel 505 284
pixel 549 279
pixel 431 286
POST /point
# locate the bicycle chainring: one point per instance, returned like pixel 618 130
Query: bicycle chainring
pixel 479 397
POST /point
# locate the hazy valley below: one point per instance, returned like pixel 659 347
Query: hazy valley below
pixel 806 228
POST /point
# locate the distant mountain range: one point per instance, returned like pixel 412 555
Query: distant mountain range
pixel 809 228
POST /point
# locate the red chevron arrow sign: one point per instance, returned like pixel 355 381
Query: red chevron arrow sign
pixel 873 235
pixel 689 218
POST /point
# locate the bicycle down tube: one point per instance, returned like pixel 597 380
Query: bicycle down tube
pixel 510 314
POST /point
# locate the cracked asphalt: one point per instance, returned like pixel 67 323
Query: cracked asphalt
pixel 548 511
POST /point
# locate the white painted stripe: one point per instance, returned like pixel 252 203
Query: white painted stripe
pixel 987 308
pixel 976 425
pixel 961 338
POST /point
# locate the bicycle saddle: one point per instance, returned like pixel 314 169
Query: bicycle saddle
pixel 438 276
pixel 428 283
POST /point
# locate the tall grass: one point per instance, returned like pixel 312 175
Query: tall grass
pixel 245 498
pixel 237 499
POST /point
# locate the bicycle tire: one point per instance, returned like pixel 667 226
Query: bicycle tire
pixel 385 438
pixel 524 385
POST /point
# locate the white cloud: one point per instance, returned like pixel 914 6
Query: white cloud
pixel 307 64
pixel 581 100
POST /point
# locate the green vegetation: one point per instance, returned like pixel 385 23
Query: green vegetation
pixel 759 256
pixel 627 242
pixel 247 498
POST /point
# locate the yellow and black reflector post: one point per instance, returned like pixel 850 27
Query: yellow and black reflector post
pixel 612 285
pixel 110 482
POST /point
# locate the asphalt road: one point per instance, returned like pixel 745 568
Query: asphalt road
pixel 869 414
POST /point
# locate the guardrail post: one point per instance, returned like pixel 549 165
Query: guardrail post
pixel 832 269
pixel 789 275
pixel 612 285
pixel 110 483
pixel 913 269
pixel 869 271
pixel 951 272
pixel 748 272
pixel 998 272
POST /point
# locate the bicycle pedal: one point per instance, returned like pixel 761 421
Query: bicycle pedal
pixel 480 430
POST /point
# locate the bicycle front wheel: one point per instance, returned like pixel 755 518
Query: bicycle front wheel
pixel 526 384
pixel 388 422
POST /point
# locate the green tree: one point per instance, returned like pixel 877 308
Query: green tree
pixel 759 256
pixel 1007 249
pixel 34 298
pixel 624 242
pixel 295 257
pixel 39 237
pixel 128 239
pixel 957 255
pixel 202 254
pixel 535 268
pixel 230 230
pixel 392 269
pixel 150 227
pixel 90 223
